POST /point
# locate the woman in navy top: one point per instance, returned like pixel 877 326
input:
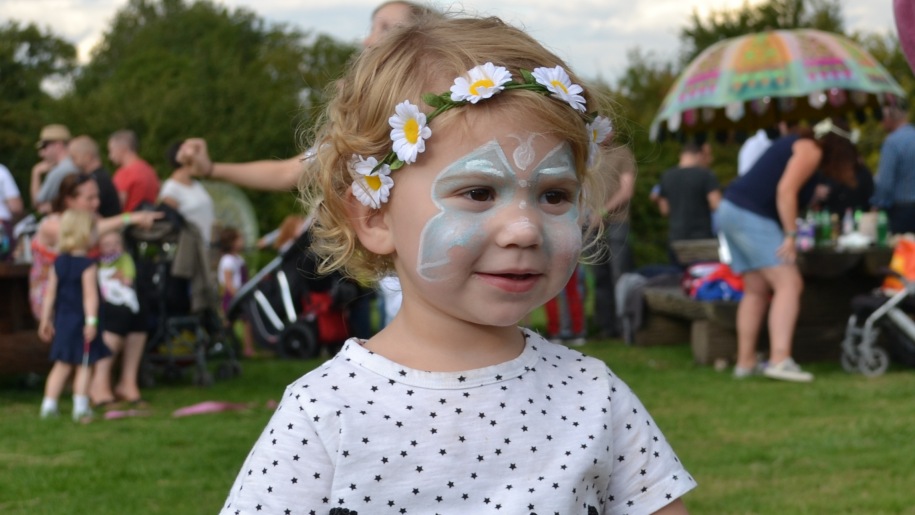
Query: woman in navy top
pixel 757 218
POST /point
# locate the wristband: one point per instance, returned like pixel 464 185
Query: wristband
pixel 125 219
pixel 92 321
pixel 790 234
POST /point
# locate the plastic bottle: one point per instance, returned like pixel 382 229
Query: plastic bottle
pixel 848 222
pixel 882 228
pixel 805 234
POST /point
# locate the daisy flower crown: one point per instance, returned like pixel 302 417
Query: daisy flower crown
pixel 410 127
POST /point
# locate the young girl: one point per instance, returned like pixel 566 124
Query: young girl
pixel 121 316
pixel 69 315
pixel 232 273
pixel 452 408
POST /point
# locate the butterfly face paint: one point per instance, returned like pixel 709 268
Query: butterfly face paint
pixel 487 202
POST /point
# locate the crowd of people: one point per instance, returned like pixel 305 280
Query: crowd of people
pixel 495 205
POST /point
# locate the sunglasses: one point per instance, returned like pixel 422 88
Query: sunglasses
pixel 45 144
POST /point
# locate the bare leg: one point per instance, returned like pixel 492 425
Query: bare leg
pixel 788 285
pixel 750 314
pixel 128 388
pixel 247 339
pixel 100 388
pixel 81 381
pixel 57 379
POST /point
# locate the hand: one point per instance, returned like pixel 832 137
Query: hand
pixel 89 332
pixel 46 331
pixel 787 251
pixel 41 168
pixel 194 153
pixel 145 219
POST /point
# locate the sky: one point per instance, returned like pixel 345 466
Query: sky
pixel 593 36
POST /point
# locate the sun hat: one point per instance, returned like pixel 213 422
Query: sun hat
pixel 53 132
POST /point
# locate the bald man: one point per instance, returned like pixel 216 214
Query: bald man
pixel 84 153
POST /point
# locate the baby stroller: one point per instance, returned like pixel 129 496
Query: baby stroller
pixel 185 328
pixel 291 309
pixel 872 314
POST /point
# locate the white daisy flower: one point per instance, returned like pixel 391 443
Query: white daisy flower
pixel 560 85
pixel 408 131
pixel 481 82
pixel 598 130
pixel 371 188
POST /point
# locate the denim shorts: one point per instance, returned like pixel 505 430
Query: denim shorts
pixel 752 239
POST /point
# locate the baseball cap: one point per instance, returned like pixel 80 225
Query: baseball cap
pixel 53 132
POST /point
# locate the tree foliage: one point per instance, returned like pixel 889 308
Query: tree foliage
pixel 170 69
pixel 28 58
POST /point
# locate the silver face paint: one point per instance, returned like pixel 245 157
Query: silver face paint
pixel 461 231
pixel 524 154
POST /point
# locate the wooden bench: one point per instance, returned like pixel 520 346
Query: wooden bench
pixel 21 351
pixel 675 318
pixel 672 317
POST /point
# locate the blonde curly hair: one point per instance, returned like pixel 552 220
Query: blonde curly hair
pixel 426 57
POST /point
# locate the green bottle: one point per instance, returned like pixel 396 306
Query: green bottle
pixel 882 228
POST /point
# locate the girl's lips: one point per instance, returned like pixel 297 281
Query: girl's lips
pixel 511 282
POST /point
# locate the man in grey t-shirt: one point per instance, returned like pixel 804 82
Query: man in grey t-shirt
pixel 55 164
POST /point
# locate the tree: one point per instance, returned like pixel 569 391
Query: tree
pixel 170 69
pixel 28 58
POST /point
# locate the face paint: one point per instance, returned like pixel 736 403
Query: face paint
pixel 524 154
pixel 463 228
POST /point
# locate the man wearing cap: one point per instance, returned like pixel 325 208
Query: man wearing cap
pixel 55 162
pixel 135 180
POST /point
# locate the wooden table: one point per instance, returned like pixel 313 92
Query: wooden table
pixel 832 277
pixel 21 351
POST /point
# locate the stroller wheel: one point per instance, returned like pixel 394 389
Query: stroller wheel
pixel 874 363
pixel 203 379
pixel 228 370
pixel 298 341
pixel 849 361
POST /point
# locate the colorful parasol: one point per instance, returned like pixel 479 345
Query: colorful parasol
pixel 754 81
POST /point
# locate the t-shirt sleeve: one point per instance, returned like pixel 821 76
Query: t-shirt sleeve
pixel 647 474
pixel 8 188
pixel 51 185
pixel 289 467
pixel 711 182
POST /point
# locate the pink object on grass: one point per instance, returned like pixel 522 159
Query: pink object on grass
pixel 205 407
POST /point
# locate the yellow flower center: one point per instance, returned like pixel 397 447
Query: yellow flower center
pixel 411 130
pixel 482 83
pixel 373 182
pixel 560 85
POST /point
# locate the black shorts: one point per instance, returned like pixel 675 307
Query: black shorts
pixel 120 320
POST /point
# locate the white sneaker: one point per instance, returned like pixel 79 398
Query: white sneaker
pixel 47 413
pixel 83 416
pixel 755 370
pixel 787 370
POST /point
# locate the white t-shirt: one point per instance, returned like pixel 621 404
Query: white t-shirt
pixel 752 148
pixel 231 263
pixel 194 204
pixel 552 431
pixel 8 190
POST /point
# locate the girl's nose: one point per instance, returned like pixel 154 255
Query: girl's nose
pixel 520 231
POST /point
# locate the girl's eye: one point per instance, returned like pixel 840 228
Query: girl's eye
pixel 480 194
pixel 556 197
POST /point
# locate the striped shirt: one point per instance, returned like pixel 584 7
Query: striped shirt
pixel 895 181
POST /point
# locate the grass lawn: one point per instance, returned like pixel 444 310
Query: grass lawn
pixel 843 444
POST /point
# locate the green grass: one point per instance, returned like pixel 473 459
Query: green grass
pixel 843 444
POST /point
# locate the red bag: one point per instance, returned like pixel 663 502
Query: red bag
pixel 332 327
pixel 903 263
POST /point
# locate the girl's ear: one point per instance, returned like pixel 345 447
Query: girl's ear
pixel 372 227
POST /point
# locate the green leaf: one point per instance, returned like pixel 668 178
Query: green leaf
pixel 435 101
pixel 528 76
pixel 397 165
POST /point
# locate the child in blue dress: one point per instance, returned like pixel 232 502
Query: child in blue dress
pixel 69 315
pixel 459 154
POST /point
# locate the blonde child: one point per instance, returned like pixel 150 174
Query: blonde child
pixel 69 315
pixel 232 273
pixel 452 408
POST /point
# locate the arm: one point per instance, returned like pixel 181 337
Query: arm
pixel 259 175
pixel 15 206
pixel 805 159
pixel 46 324
pixel 886 177
pixel 675 508
pixel 40 168
pixel 144 219
pixel 90 302
pixel 620 198
pixel 663 206
pixel 227 275
pixel 714 198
